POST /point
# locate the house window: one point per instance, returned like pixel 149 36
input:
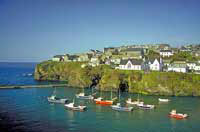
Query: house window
pixel 129 66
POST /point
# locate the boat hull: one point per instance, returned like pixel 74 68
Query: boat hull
pixel 85 97
pixel 60 101
pixel 118 108
pixel 76 108
pixel 177 116
pixel 105 102
pixel 163 100
pixel 146 106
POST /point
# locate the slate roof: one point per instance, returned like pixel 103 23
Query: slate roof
pixel 58 56
pixel 165 50
pixel 133 49
pixel 133 61
pixel 71 57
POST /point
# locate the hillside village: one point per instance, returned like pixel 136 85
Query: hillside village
pixel 159 57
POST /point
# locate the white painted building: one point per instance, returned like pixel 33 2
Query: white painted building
pixel 191 65
pixel 197 67
pixel 131 64
pixel 115 61
pixel 94 61
pixel 178 67
pixel 166 53
pixel 58 58
pixel 155 64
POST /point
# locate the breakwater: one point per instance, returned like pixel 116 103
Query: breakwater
pixel 33 86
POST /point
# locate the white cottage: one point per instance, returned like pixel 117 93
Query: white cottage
pixel 191 65
pixel 155 64
pixel 131 64
pixel 178 67
pixel 197 67
pixel 58 58
pixel 166 53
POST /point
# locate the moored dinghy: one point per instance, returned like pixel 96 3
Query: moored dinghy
pixel 83 96
pixel 118 107
pixel 129 101
pixel 163 100
pixel 71 106
pixel 145 106
pixel 173 114
pixel 100 100
pixel 54 99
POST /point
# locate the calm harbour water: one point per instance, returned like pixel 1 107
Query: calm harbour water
pixel 28 109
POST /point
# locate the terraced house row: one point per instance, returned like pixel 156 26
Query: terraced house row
pixel 160 57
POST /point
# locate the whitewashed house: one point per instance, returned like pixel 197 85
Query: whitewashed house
pixel 58 58
pixel 131 64
pixel 178 67
pixel 155 64
pixel 115 60
pixel 166 53
pixel 197 67
pixel 191 65
pixel 94 61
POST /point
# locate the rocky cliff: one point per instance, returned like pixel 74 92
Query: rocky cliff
pixel 105 78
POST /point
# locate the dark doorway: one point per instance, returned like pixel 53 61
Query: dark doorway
pixel 95 81
pixel 123 86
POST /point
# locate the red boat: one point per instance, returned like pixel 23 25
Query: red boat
pixel 173 114
pixel 103 102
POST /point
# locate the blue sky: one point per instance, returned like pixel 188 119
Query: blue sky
pixel 35 30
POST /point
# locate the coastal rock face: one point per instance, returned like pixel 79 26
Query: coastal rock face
pixel 106 79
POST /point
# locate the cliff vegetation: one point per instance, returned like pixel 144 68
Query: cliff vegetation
pixel 106 78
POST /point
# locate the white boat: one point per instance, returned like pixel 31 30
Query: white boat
pixel 163 100
pixel 118 106
pixel 71 106
pixel 129 101
pixel 54 99
pixel 145 106
pixel 83 96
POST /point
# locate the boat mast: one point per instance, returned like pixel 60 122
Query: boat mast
pixel 54 92
pixel 119 95
pixel 111 94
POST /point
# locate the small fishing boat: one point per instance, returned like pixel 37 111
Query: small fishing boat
pixel 173 114
pixel 145 106
pixel 71 106
pixel 83 96
pixel 118 107
pixel 54 99
pixel 163 100
pixel 129 101
pixel 100 100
